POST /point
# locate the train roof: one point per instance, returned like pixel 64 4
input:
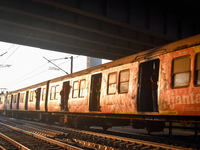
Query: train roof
pixel 174 46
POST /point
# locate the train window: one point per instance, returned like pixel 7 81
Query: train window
pixel 181 71
pixel 82 88
pixel 8 99
pixel 43 94
pixel 197 69
pixel 52 95
pixel 32 96
pixel 14 98
pixel 75 89
pixel 22 98
pixel 1 100
pixel 57 91
pixel 112 83
pixel 54 92
pixel 124 81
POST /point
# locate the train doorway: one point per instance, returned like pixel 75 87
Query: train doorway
pixel 95 92
pixel 26 101
pixel 65 95
pixel 147 100
pixel 18 97
pixel 38 93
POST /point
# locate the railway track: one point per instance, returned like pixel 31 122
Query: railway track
pixel 15 138
pixel 91 140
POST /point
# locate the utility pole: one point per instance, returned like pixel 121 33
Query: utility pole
pixel 71 69
pixel 71 64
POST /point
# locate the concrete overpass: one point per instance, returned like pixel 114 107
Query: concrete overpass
pixel 108 29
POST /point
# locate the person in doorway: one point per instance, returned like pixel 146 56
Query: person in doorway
pixel 98 91
pixel 153 80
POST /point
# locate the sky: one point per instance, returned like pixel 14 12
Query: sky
pixel 28 65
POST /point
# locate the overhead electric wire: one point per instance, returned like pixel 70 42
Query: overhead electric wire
pixel 16 82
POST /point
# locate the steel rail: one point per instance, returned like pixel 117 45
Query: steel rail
pixel 15 143
pixel 64 145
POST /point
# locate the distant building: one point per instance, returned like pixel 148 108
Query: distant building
pixel 92 61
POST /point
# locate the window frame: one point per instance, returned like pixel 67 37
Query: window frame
pixel 108 84
pixel 173 74
pixel 119 84
pixel 54 95
pixel 32 96
pixel 75 89
pixel 8 99
pixel 57 92
pixel 196 70
pixel 80 89
pixel 1 99
pixel 43 94
pixel 14 100
pixel 22 98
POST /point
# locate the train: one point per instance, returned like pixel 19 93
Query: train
pixel 144 90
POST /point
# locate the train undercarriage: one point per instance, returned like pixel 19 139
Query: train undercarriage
pixel 152 123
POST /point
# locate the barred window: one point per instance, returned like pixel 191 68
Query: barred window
pixel 124 81
pixel 197 69
pixel 43 94
pixel 52 95
pixel 22 98
pixel 8 99
pixel 57 92
pixel 1 100
pixel 181 71
pixel 54 92
pixel 15 98
pixel 75 89
pixel 82 88
pixel 112 83
pixel 32 96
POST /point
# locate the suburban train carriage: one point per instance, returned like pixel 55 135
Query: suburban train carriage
pixel 32 99
pixel 36 97
pixel 179 89
pixel 2 101
pixel 79 95
pixel 42 97
pixel 8 102
pixel 119 89
pixel 54 97
pixel 160 84
pixel 15 101
pixel 21 101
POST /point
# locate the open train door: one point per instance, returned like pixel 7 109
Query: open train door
pixel 147 100
pixel 26 101
pixel 38 95
pixel 95 91
pixel 65 95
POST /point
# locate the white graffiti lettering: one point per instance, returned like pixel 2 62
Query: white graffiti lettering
pixel 192 108
pixel 183 99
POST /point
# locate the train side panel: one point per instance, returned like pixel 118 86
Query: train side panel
pixel 43 98
pixel 14 101
pixel 180 82
pixel 119 95
pixel 22 100
pixel 54 98
pixel 2 102
pixel 79 95
pixel 32 100
pixel 8 102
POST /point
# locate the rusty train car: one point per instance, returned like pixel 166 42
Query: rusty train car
pixel 144 90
